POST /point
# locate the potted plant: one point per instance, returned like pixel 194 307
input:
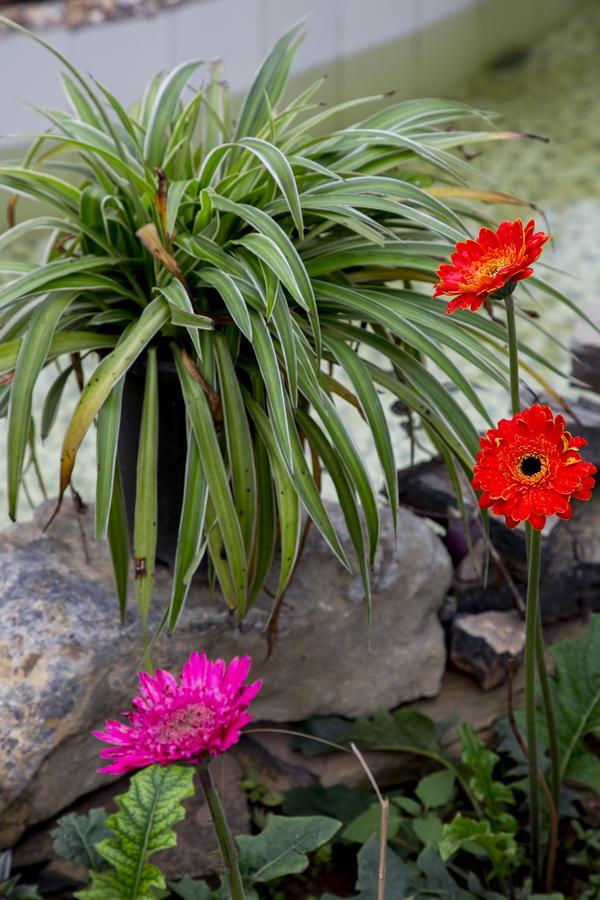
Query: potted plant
pixel 236 281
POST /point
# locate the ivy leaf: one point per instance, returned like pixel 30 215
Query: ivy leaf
pixel 428 829
pixel 339 801
pixel 406 804
pixel 404 730
pixel 439 881
pixel 368 823
pixel 437 789
pixel 576 694
pixel 430 877
pixel 327 728
pixel 281 847
pixel 189 889
pixel 478 838
pixel 141 827
pixel 75 838
pixel 400 880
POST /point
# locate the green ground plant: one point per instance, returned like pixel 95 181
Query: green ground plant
pixel 453 833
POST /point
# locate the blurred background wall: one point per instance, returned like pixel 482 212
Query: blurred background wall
pixel 415 47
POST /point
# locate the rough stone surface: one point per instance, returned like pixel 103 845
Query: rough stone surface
pixel 66 664
pixel 585 345
pixel 484 644
pixel 571 574
pixel 462 700
pixel 427 489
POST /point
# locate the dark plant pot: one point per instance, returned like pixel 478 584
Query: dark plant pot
pixel 172 451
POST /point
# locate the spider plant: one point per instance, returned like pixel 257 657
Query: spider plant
pixel 281 267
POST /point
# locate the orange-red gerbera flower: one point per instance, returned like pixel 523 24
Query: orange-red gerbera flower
pixel 491 265
pixel 529 467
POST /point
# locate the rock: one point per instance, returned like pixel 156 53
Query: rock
pixel 426 489
pixel 196 852
pixel 585 347
pixel 66 664
pixel 503 589
pixel 462 700
pixel 485 644
pixel 570 582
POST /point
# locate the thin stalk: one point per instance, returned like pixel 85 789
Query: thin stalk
pixel 384 804
pixel 513 353
pixel 224 836
pixel 533 541
pixel 530 706
pixel 550 716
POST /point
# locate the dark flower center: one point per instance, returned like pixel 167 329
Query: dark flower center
pixel 530 465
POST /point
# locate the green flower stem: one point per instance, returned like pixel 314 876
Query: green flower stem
pixel 531 632
pixel 513 353
pixel 225 838
pixel 534 645
pixel 549 712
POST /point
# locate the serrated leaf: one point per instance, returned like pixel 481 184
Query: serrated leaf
pixel 142 826
pixel 481 761
pixel 478 837
pixel 75 838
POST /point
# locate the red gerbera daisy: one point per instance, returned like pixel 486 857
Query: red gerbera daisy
pixel 529 467
pixel 491 265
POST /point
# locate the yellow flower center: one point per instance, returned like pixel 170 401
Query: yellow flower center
pixel 492 266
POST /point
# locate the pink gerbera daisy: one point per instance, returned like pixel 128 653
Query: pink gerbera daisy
pixel 198 716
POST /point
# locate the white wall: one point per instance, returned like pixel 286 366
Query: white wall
pixel 125 54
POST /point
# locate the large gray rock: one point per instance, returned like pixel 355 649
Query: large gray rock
pixel 66 664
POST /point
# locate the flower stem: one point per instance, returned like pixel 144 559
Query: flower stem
pixel 531 626
pixel 513 353
pixel 225 838
pixel 513 357
pixel 549 712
